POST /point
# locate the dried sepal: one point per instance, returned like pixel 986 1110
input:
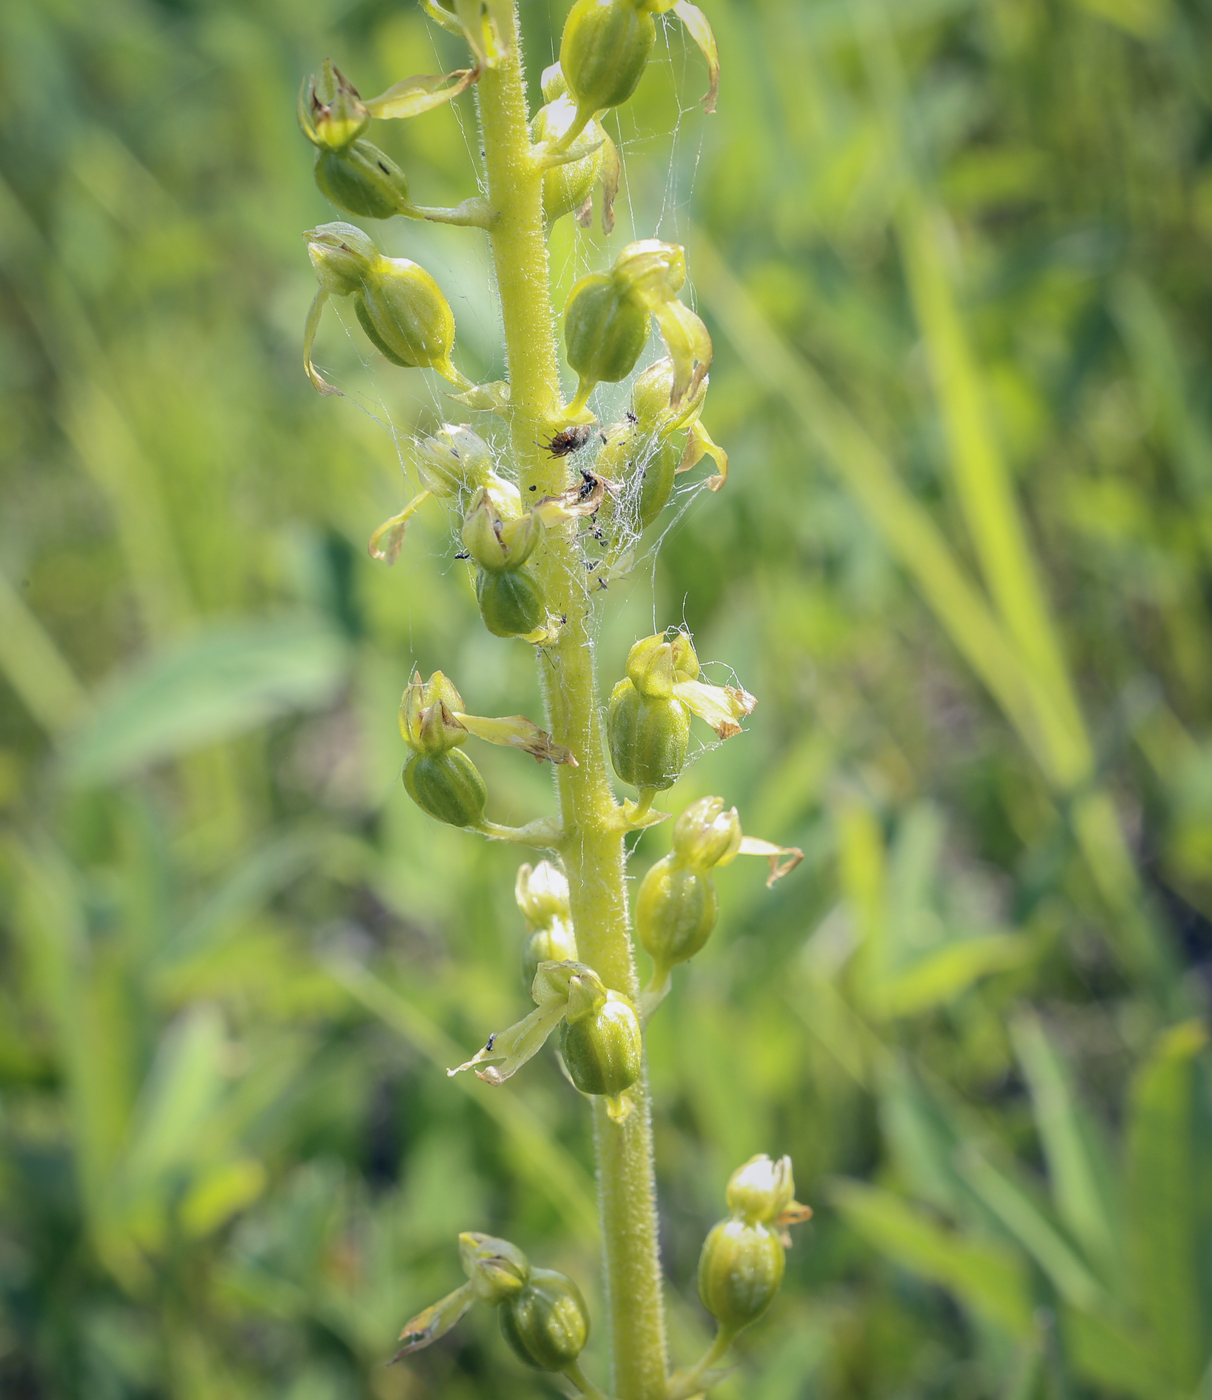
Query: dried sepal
pixel 311 326
pixel 700 31
pixel 576 503
pixel 425 1329
pixel 420 93
pixel 755 846
pixel 388 539
pixel 722 706
pixel 518 732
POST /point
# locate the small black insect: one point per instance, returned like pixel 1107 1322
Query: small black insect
pixel 568 440
pixel 492 1040
pixel 463 554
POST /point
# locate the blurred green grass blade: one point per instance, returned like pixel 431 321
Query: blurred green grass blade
pixel 92 1045
pixel 550 1167
pixel 989 1278
pixel 918 545
pixel 244 892
pixel 185 1084
pixel 985 492
pixel 1103 1351
pixel 906 527
pixel 1160 369
pixel 1020 1215
pixel 1075 1155
pixel 941 976
pixel 35 667
pixel 1165 1182
pixel 215 685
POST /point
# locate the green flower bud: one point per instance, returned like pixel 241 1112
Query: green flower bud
pixel 605 331
pixel 331 112
pixel 547 1323
pixel 740 1270
pixel 567 186
pixel 649 737
pixel 541 892
pixel 555 942
pixel 448 786
pixel 511 603
pixel 495 544
pixel 603 1048
pixel 650 271
pixel 454 460
pixel 763 1191
pixel 707 835
pixel 675 911
pixel 498 1270
pixel 427 711
pixel 342 257
pixel 604 50
pixel 362 180
pixel 656 664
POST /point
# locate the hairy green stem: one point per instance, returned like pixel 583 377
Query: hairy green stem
pixel 592 847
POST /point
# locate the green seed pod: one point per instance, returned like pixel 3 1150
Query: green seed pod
pixel 740 1270
pixel 407 318
pixel 675 911
pixel 448 786
pixel 547 1323
pixel 656 482
pixel 649 737
pixel 604 332
pixel 511 602
pixel 362 180
pixel 706 834
pixel 603 1047
pixel 498 1270
pixel 604 50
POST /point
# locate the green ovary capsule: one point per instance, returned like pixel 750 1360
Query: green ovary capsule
pixel 649 737
pixel 547 1323
pixel 603 1049
pixel 446 785
pixel 511 602
pixel 362 180
pixel 675 911
pixel 604 50
pixel 657 481
pixel 604 333
pixel 740 1270
pixel 404 313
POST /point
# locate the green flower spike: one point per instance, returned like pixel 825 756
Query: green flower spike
pixel 676 904
pixel 451 463
pixel 648 722
pixel 400 306
pixel 606 46
pixel 606 322
pixel 440 779
pixel 542 896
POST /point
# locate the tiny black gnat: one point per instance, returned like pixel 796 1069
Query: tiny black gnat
pixel 568 440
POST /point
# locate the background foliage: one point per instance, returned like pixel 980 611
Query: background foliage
pixel 955 257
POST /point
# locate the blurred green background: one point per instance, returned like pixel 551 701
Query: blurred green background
pixel 955 257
